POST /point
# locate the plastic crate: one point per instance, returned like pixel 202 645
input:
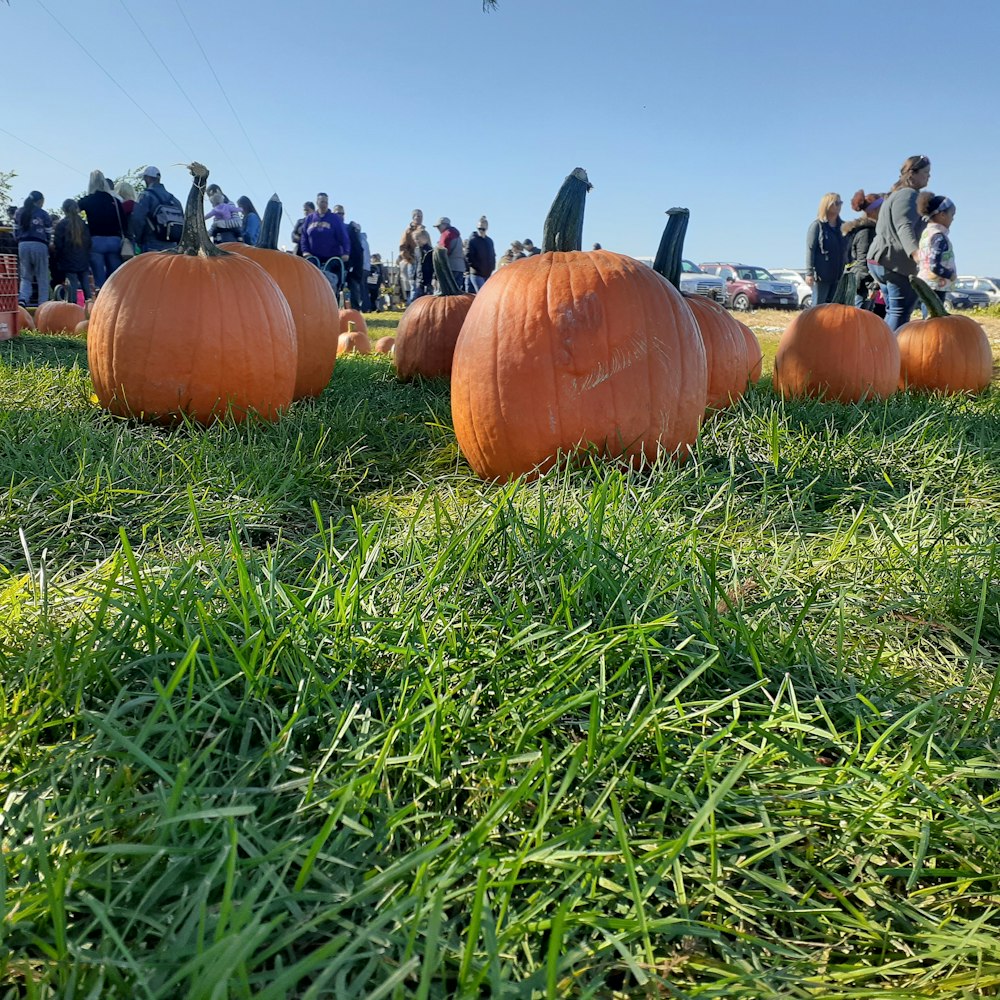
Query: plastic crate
pixel 8 265
pixel 8 284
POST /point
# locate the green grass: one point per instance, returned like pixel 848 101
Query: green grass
pixel 306 710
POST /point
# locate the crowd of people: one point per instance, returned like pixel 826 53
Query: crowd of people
pixel 899 233
pixel 902 232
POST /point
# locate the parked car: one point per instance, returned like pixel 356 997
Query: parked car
pixel 750 287
pixel 965 298
pixel 970 283
pixel 695 281
pixel 798 280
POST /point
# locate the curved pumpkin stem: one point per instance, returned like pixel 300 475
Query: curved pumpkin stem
pixel 444 274
pixel 926 294
pixel 270 224
pixel 564 223
pixel 668 256
pixel 194 237
pixel 847 289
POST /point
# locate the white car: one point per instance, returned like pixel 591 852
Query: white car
pixel 970 283
pixel 798 280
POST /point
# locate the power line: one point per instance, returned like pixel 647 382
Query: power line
pixel 110 77
pixel 42 151
pixel 194 107
pixel 208 62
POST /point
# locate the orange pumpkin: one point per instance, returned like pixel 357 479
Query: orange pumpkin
pixel 24 320
pixel 429 328
pixel 58 317
pixel 569 351
pixel 837 351
pixel 194 331
pixel 755 356
pixel 81 327
pixel 725 345
pixel 352 316
pixel 385 345
pixel 946 353
pixel 310 299
pixel 353 341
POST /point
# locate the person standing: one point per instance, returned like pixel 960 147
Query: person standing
pixel 482 256
pixel 33 230
pixel 451 240
pixel 408 252
pixel 356 279
pixel 936 253
pixel 106 222
pixel 307 209
pixel 896 247
pixel 859 234
pixel 376 279
pixel 529 248
pixel 73 246
pixel 826 250
pixel 157 220
pixel 324 235
pixel 251 220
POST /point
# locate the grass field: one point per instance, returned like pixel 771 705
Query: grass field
pixel 307 710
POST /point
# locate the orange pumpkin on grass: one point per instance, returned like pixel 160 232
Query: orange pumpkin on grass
pixel 353 341
pixel 309 297
pixel 385 345
pixel 837 351
pixel 568 352
pixel 24 320
pixel 192 332
pixel 946 353
pixel 353 316
pixel 428 330
pixel 58 317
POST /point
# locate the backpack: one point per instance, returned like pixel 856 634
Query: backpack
pixel 167 219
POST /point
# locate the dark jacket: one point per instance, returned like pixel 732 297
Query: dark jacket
pixel 859 234
pixel 826 250
pixel 141 219
pixel 356 259
pixel 481 255
pixel 105 215
pixel 37 228
pixel 70 257
pixel 424 259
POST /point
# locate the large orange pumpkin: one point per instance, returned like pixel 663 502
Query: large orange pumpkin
pixel 310 298
pixel 58 317
pixel 837 351
pixel 194 331
pixel 429 328
pixel 725 346
pixel 946 353
pixel 568 351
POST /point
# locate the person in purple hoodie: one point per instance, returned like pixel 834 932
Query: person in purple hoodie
pixel 324 235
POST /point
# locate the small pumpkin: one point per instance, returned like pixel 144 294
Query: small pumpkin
pixel 353 341
pixel 24 320
pixel 385 345
pixel 194 331
pixel 355 317
pixel 58 317
pixel 310 299
pixel 570 351
pixel 725 345
pixel 944 352
pixel 837 351
pixel 429 328
pixel 81 327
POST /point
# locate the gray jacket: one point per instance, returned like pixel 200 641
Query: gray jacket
pixel 897 232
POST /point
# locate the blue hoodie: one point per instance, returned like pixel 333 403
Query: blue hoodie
pixel 325 236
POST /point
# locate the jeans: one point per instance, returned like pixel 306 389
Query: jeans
pixel 355 291
pixel 33 265
pixel 823 291
pixel 105 257
pixel 473 282
pixel 900 298
pixel 79 280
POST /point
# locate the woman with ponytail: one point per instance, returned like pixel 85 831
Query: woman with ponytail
pixel 73 245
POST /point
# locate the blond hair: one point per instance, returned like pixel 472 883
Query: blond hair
pixel 826 203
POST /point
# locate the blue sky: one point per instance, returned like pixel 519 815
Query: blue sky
pixel 744 113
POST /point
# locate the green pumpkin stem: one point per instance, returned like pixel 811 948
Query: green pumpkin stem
pixel 194 237
pixel 444 274
pixel 564 223
pixel 847 289
pixel 270 224
pixel 668 256
pixel 927 295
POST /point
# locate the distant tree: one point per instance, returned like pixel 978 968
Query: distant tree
pixel 489 5
pixel 6 186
